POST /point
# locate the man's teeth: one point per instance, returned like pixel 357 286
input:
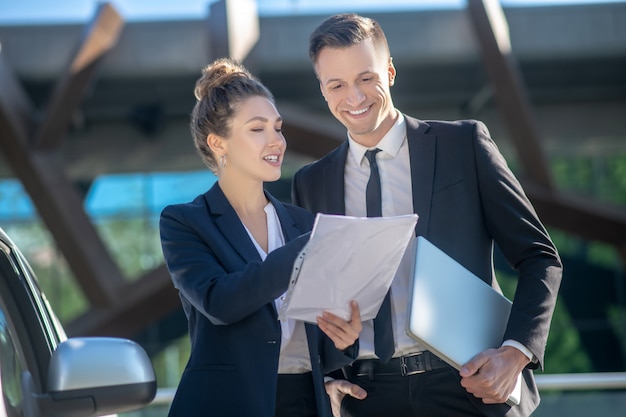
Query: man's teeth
pixel 271 158
pixel 357 112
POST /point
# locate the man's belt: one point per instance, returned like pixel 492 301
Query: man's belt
pixel 416 363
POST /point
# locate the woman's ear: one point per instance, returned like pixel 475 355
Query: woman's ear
pixel 216 144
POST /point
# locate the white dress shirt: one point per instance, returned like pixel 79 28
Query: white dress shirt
pixel 397 199
pixel 294 348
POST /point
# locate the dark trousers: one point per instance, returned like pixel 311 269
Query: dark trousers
pixel 295 396
pixel 436 393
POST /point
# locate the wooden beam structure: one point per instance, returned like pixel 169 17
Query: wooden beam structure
pixel 99 38
pixel 141 304
pixel 590 220
pixel 57 200
pixel 309 134
pixel 492 33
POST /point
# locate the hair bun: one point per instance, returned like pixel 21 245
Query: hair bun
pixel 217 74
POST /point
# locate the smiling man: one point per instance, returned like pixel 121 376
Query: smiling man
pixel 453 176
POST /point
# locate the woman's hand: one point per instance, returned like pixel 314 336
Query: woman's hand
pixel 342 333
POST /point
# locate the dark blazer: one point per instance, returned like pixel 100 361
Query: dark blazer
pixel 467 199
pixel 228 295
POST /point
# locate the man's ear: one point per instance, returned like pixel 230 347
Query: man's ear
pixel 391 70
pixel 217 144
pixel 322 91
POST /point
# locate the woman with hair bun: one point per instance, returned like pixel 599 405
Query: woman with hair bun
pixel 230 253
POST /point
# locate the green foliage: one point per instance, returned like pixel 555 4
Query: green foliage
pixel 617 319
pixel 170 362
pixel 564 351
pixel 133 242
pixel 596 253
pixel 601 177
pixel 49 265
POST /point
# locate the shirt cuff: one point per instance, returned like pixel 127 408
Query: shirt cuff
pixel 521 348
pixel 328 379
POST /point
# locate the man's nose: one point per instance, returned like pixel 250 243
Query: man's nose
pixel 355 96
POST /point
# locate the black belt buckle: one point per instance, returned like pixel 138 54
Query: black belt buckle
pixel 416 369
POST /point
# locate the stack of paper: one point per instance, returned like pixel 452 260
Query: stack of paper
pixel 347 258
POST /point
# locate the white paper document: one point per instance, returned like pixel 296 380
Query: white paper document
pixel 346 258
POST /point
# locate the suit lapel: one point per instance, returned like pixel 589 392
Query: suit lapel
pixel 334 179
pixel 422 150
pixel 229 224
pixel 287 224
pixel 234 232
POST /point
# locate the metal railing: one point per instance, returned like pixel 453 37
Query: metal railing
pixel 573 395
pixel 545 382
pixel 577 382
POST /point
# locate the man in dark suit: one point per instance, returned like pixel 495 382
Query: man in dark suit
pixel 453 176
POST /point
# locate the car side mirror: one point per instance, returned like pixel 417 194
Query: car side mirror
pixel 97 376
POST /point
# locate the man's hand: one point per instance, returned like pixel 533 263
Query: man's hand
pixel 339 388
pixel 491 375
pixel 342 333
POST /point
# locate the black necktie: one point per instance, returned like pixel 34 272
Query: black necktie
pixel 383 331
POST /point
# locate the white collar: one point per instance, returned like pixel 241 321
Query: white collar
pixel 390 143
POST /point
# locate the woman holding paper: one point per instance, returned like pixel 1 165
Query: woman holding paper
pixel 230 253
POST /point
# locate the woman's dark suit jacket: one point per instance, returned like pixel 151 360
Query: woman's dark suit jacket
pixel 228 295
pixel 467 199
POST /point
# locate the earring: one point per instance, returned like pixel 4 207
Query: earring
pixel 223 161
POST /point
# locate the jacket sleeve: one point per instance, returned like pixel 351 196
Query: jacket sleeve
pixel 524 242
pixel 199 274
pixel 333 358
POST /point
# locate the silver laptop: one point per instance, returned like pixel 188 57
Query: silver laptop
pixel 452 312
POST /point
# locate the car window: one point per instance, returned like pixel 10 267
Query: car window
pixel 53 329
pixel 24 341
pixel 11 369
pixel 35 329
